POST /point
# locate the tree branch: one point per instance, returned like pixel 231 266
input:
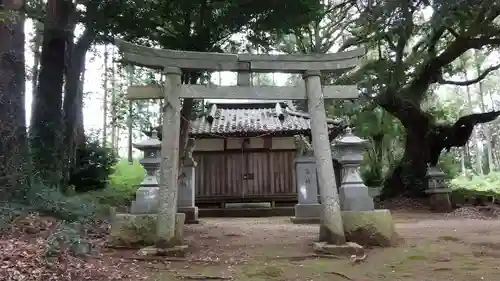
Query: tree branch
pixel 470 82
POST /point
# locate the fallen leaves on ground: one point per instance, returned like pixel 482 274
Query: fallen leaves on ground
pixel 23 255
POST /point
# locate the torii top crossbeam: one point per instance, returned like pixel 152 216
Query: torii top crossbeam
pixel 294 63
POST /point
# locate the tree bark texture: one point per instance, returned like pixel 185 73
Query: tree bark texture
pixel 14 158
pixel 74 135
pixel 408 177
pixel 46 134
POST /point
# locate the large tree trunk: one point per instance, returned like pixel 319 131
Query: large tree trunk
pixel 46 130
pixel 73 102
pixel 409 176
pixel 13 145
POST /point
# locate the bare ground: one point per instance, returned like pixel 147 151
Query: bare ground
pixel 433 247
pixel 461 246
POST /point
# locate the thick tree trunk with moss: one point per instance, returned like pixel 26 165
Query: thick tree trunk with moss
pixel 13 142
pixel 46 134
pixel 409 177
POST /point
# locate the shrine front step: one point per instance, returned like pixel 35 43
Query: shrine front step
pixel 246 212
pixel 192 214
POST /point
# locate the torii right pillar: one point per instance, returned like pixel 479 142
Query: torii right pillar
pixel 372 227
pixel 331 229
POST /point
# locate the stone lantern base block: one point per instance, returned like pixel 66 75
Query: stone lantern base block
pixel 307 213
pixel 369 228
pixel 356 198
pixel 146 200
pixel 439 200
pixel 144 207
pixel 191 214
pixel 129 230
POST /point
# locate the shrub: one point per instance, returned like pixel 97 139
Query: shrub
pixel 50 201
pixel 95 164
pixel 477 186
pixel 122 185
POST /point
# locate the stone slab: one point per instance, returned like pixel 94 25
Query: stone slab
pixel 176 251
pixel 140 229
pixel 247 205
pixel 186 192
pixel 247 212
pixel 308 210
pixel 369 228
pixel 180 218
pixel 307 180
pixel 347 249
pixel 191 214
pixel 296 220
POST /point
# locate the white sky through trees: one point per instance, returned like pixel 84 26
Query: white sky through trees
pixel 93 105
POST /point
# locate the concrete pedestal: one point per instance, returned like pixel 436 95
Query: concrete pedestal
pixel 146 201
pixel 308 209
pixel 307 213
pixel 186 196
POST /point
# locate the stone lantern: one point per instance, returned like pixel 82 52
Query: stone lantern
pixel 439 193
pixel 146 201
pixel 354 195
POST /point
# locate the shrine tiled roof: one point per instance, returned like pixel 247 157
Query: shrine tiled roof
pixel 254 119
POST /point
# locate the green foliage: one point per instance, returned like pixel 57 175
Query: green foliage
pixel 449 163
pixel 383 133
pixel 122 185
pixel 480 184
pixel 51 201
pixel 94 166
pixel 473 187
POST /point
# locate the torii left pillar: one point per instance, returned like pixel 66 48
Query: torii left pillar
pixel 169 169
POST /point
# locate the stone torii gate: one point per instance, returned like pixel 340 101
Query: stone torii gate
pixel 310 66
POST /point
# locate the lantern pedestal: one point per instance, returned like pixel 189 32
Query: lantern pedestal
pixel 186 194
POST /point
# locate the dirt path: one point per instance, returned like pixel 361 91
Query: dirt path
pixel 435 248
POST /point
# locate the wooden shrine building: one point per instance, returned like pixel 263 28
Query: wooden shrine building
pixel 245 152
